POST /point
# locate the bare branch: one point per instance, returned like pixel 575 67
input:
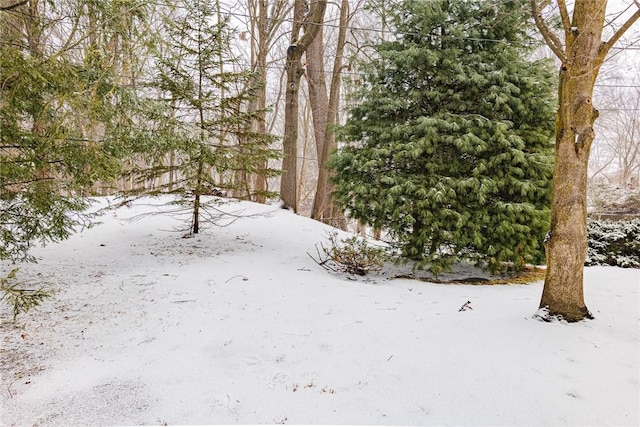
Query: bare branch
pixel 550 38
pixel 322 260
pixel 604 49
pixel 314 22
pixel 564 15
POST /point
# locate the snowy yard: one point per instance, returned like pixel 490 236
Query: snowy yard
pixel 239 326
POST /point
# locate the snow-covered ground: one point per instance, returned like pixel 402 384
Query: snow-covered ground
pixel 239 325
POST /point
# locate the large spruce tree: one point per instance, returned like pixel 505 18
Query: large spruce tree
pixel 449 145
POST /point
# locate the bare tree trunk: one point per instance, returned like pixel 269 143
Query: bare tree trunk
pixel 318 98
pixel 312 25
pixel 566 245
pixel 265 17
pixel 307 165
pixel 288 181
pixel 172 170
pixel 261 100
pixel 195 229
pixel 33 29
pixel 324 207
pixel 582 54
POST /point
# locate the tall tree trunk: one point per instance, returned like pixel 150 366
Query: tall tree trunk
pixel 566 246
pixel 201 123
pixel 289 178
pixel 265 18
pixel 582 54
pixel 318 98
pixel 312 24
pixel 324 207
pixel 260 186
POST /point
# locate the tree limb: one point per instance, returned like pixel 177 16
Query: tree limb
pixel 314 22
pixel 604 49
pixel 552 40
pixel 564 15
pixel 296 25
pixel 13 6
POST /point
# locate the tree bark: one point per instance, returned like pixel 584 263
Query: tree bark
pixel 324 207
pixel 312 24
pixel 318 98
pixel 13 6
pixel 582 54
pixel 260 183
pixel 566 246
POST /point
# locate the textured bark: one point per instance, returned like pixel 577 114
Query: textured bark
pixel 566 246
pixel 312 24
pixel 318 98
pixel 319 102
pixel 582 54
pixel 324 207
pixel 13 6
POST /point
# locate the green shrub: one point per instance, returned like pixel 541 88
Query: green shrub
pixel 615 243
pixel 353 255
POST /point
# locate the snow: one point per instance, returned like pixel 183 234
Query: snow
pixel 239 326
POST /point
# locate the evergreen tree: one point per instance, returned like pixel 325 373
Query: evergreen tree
pixel 48 161
pixel 201 118
pixel 449 145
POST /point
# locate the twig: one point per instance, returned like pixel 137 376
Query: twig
pixel 9 388
pixel 320 261
pixel 466 306
pixel 237 275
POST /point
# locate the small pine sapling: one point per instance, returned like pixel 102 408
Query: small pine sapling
pixel 352 255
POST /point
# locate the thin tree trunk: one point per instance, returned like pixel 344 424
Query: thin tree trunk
pixel 306 157
pixel 313 21
pixel 197 193
pixel 202 140
pixel 265 18
pixel 288 181
pixel 261 100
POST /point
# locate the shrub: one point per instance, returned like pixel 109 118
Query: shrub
pixel 352 255
pixel 615 243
